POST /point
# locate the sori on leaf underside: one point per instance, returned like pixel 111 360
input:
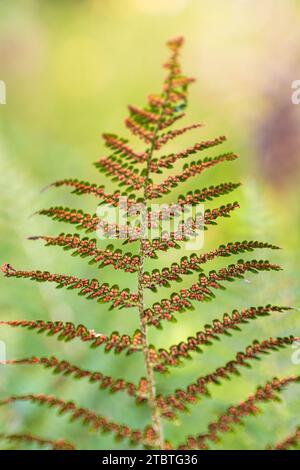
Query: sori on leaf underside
pixel 135 173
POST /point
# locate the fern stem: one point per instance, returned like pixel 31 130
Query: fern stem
pixel 156 417
pixel 155 411
pixel 156 414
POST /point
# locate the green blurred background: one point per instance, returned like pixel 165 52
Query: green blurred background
pixel 71 68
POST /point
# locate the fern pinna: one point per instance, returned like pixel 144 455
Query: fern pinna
pixel 133 171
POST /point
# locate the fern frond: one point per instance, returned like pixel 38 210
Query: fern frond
pixel 290 442
pixel 132 171
pixel 190 228
pixel 83 220
pixel 170 135
pixel 191 199
pixel 60 444
pixel 174 355
pixel 206 194
pixel 194 262
pixel 91 223
pixel 89 288
pixel 184 231
pixel 143 116
pixel 201 291
pixel 119 144
pixel 121 172
pixel 106 382
pixel 169 122
pixel 187 229
pixel 181 399
pixel 190 170
pixel 235 414
pixel 143 122
pixel 88 417
pixel 149 119
pixel 84 187
pixel 68 331
pixel 211 215
pixel 166 161
pixel 87 248
pixel 173 99
pixel 139 131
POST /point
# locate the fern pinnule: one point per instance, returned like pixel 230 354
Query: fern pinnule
pixel 68 331
pixel 201 291
pixel 181 399
pixel 122 173
pixel 119 144
pixel 105 382
pixel 189 171
pixel 168 160
pixel 89 288
pixel 187 266
pixel 236 413
pixel 290 442
pixel 230 324
pixel 84 187
pixel 60 444
pixel 86 416
pixel 87 248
